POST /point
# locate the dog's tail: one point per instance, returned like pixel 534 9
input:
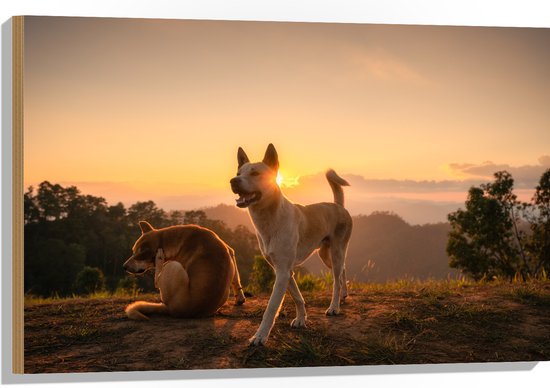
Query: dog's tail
pixel 137 310
pixel 336 184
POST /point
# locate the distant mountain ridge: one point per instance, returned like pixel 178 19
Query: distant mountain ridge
pixel 231 215
pixel 383 246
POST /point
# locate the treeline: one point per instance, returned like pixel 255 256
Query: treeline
pixel 67 233
pixel 497 235
pixel 71 237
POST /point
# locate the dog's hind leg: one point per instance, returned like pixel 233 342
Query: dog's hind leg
pixel 326 257
pixel 337 256
pixel 137 310
pixel 173 284
pixel 300 320
pixel 344 285
pixel 324 253
pixel 236 281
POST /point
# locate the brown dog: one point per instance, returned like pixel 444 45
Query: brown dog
pixel 194 270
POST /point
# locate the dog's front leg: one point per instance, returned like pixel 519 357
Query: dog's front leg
pixel 159 263
pixel 282 278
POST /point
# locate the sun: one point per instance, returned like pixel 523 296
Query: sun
pixel 286 181
pixel 279 178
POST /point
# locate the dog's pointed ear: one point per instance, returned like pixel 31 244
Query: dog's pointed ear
pixel 242 158
pixel 271 158
pixel 145 227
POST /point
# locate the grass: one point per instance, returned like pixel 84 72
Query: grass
pixel 305 350
pixel 405 320
pixel 298 349
pixel 308 282
pixel 409 321
pixel 383 349
pixel 80 333
pixel 532 293
pixel 33 300
pixel 425 287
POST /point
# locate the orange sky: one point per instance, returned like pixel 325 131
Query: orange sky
pixel 160 106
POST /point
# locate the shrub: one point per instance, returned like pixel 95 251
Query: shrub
pixel 262 276
pixel 309 282
pixel 89 281
pixel 51 266
pixel 128 285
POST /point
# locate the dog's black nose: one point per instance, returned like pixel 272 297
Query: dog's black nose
pixel 234 182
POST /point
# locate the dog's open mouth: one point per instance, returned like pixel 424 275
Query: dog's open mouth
pixel 246 199
pixel 139 272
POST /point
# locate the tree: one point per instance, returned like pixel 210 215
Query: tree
pixel 176 217
pixel 147 211
pixel 485 240
pixel 539 244
pixel 196 217
pixel 89 280
pixel 51 201
pixel 51 266
pixel 30 205
pixel 66 230
pixel 63 214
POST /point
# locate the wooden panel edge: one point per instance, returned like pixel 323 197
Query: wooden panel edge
pixel 17 196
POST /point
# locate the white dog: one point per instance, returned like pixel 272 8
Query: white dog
pixel 289 233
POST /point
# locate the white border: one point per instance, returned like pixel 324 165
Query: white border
pixel 524 13
pixel 519 13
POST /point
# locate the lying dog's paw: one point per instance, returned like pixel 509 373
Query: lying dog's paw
pixel 133 313
pixel 331 311
pixel 159 257
pixel 298 322
pixel 240 298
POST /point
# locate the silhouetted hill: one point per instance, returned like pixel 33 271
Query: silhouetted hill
pixel 384 247
pixel 231 215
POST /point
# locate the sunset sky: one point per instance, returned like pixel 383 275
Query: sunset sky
pixel 136 109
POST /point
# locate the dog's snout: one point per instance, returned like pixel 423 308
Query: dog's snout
pixel 234 182
pixel 127 265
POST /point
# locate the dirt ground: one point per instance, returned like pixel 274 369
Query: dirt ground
pixel 406 325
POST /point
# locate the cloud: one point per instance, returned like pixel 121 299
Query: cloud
pixel 526 176
pixel 544 161
pixel 312 183
pixel 381 65
pixel 388 69
pixel 417 201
